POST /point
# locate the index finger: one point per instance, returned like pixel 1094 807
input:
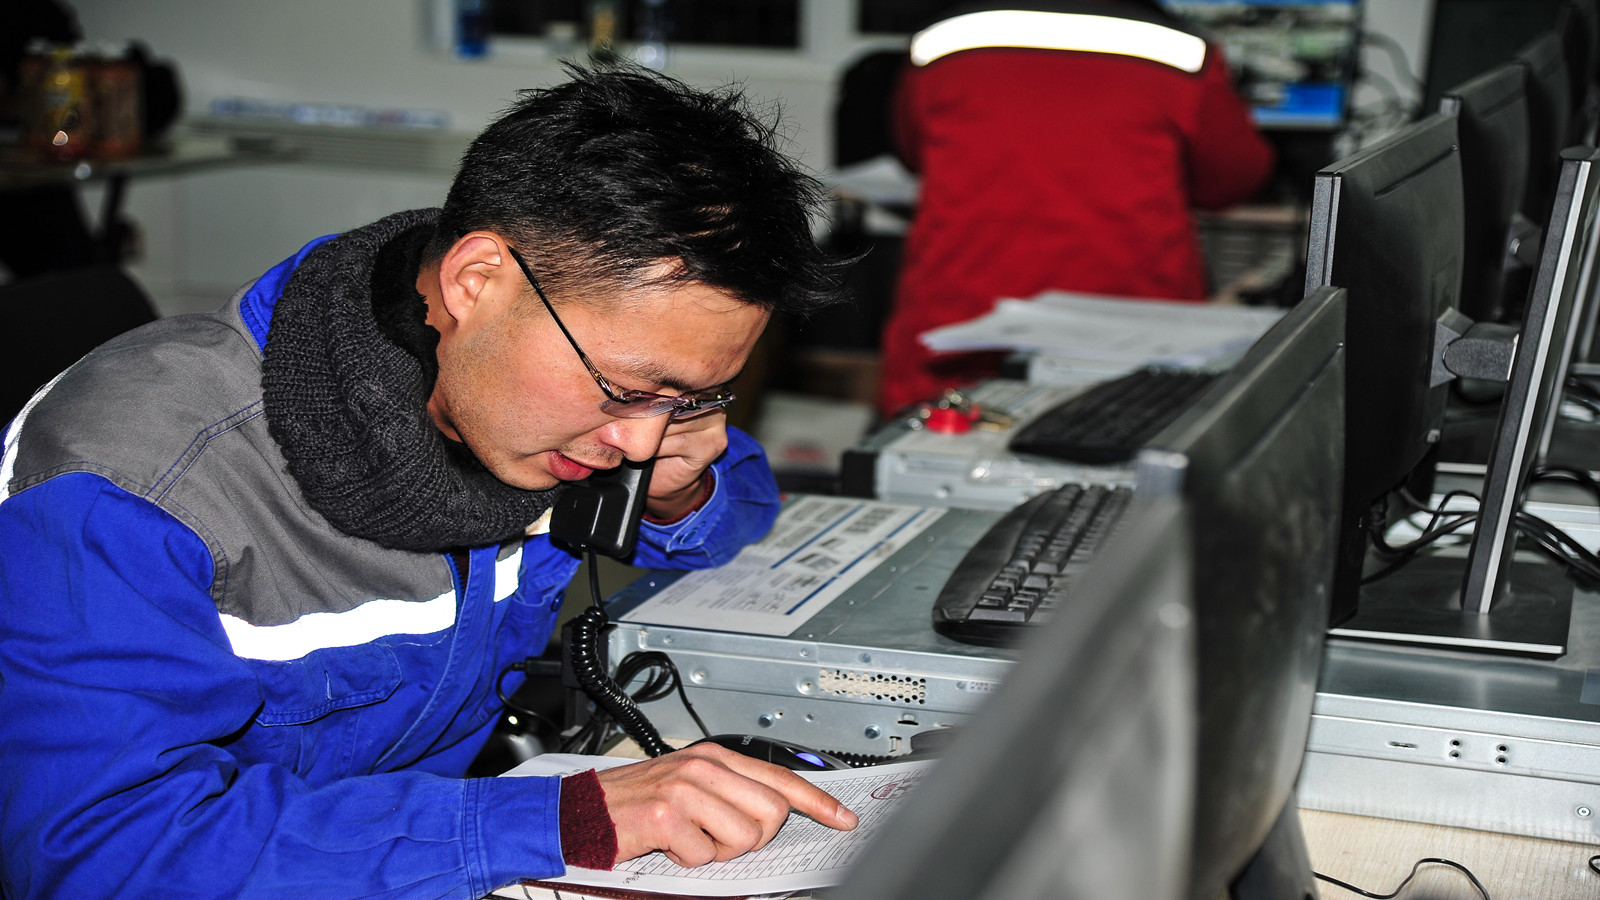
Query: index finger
pixel 803 796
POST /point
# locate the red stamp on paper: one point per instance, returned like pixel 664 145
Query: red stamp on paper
pixel 894 790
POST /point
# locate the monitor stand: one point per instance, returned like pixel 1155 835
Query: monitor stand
pixel 1421 605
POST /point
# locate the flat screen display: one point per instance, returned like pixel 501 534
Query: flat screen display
pixel 1293 60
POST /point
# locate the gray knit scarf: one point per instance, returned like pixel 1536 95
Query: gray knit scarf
pixel 349 366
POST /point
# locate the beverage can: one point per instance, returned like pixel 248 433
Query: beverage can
pixel 63 120
pixel 120 113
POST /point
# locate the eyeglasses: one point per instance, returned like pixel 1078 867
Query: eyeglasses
pixel 632 404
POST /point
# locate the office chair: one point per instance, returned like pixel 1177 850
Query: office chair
pixel 55 319
pixel 861 112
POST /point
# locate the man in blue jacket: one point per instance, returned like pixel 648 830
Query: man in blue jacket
pixel 260 568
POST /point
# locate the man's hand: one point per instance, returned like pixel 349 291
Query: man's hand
pixel 687 450
pixel 706 803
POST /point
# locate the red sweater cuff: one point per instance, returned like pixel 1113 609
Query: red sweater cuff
pixel 588 837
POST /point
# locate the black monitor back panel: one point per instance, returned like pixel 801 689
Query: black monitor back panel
pixel 1491 113
pixel 1549 120
pixel 1076 778
pixel 1259 459
pixel 1580 41
pixel 1386 225
pixel 1469 37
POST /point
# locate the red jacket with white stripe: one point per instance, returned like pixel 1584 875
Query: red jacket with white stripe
pixel 1057 150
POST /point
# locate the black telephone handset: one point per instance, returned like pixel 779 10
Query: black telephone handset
pixel 602 512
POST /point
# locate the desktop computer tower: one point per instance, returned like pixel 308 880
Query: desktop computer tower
pixel 862 676
pixel 974 468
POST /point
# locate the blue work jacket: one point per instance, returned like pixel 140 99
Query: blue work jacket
pixel 160 734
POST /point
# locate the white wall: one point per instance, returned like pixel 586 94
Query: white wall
pixel 382 53
pixel 206 234
pixel 1408 23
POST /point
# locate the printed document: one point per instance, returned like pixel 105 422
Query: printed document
pixel 803 856
pixel 1110 330
pixel 818 548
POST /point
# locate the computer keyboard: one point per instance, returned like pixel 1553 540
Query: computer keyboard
pixel 1109 422
pixel 1022 568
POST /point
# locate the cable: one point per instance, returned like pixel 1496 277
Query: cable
pixel 583 648
pixel 1397 56
pixel 1566 473
pixel 519 709
pixel 1428 537
pixel 1582 566
pixel 1444 502
pixel 1372 117
pixel 659 685
pixel 1420 863
pixel 1405 553
pixel 1443 509
pixel 1581 393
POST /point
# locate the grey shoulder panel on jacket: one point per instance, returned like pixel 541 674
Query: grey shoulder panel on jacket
pixel 172 412
pixel 138 404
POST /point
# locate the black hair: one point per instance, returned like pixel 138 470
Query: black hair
pixel 620 168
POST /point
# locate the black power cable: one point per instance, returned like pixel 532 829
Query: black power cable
pixel 1566 473
pixel 1582 566
pixel 511 704
pixel 1420 863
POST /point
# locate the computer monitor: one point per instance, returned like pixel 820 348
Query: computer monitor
pixel 1387 225
pixel 1549 119
pixel 1469 37
pixel 1539 368
pixel 1076 778
pixel 1499 242
pixel 1260 460
pixel 1294 60
pixel 1497 603
pixel 1580 41
pixel 1148 741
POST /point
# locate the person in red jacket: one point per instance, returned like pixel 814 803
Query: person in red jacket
pixel 1058 147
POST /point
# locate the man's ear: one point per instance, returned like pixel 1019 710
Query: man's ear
pixel 476 270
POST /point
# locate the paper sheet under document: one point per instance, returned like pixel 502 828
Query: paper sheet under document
pixel 819 547
pixel 1120 330
pixel 803 856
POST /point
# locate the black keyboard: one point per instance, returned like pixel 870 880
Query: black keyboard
pixel 1022 568
pixel 1109 422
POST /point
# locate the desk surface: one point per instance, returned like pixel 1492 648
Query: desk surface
pixel 1377 854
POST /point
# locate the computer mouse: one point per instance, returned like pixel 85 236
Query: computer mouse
pixel 777 752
